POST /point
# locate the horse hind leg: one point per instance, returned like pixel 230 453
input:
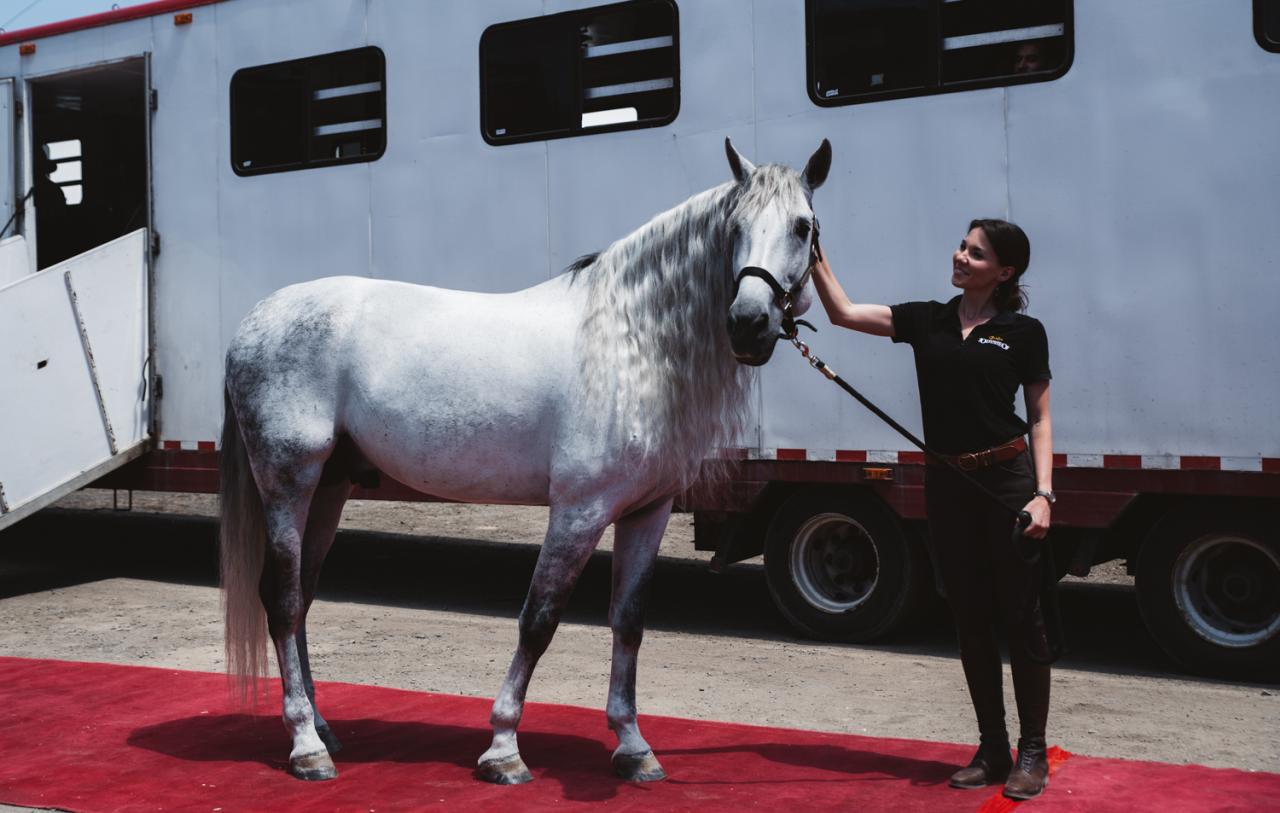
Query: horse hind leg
pixel 571 536
pixel 287 490
pixel 322 524
pixel 635 550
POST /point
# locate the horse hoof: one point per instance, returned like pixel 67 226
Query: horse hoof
pixel 638 767
pixel 313 767
pixel 330 740
pixel 507 771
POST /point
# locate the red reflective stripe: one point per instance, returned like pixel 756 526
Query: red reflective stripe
pixel 105 18
pixel 205 445
pixel 1200 463
pixel 791 454
pixel 1271 464
pixel 1059 461
pixel 171 444
pixel 911 457
pixel 1121 461
pixel 850 456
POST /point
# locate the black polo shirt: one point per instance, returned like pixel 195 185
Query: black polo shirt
pixel 967 386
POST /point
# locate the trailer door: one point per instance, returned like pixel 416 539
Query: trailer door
pixel 74 400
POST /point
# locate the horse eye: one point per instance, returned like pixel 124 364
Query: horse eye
pixel 802 229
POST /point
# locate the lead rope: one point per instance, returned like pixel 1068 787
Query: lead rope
pixel 1030 553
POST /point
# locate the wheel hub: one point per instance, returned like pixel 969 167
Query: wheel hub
pixel 1228 590
pixel 834 563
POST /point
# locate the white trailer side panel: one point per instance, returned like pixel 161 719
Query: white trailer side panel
pixel 73 403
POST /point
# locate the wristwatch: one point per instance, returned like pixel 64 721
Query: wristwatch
pixel 1048 495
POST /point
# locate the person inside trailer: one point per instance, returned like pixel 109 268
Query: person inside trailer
pixel 972 354
pixel 49 197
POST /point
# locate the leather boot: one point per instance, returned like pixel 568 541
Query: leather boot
pixel 989 765
pixel 1030 776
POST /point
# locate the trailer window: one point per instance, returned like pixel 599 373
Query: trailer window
pixel 596 70
pixel 871 50
pixel 65 170
pixel 1266 24
pixel 313 112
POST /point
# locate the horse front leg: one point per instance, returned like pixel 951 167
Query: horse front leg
pixel 635 550
pixel 571 536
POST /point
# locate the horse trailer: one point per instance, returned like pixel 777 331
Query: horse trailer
pixel 165 166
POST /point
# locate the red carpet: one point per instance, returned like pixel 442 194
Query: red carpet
pixel 94 737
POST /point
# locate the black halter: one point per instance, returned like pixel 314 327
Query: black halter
pixel 785 297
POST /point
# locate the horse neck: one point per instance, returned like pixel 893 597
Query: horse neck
pixel 655 347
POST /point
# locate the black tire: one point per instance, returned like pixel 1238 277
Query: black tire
pixel 840 568
pixel 1208 587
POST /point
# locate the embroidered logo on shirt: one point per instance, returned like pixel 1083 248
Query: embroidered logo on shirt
pixel 998 341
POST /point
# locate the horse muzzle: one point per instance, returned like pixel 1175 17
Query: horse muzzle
pixel 751 338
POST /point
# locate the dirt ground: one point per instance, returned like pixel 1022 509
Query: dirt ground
pixel 425 596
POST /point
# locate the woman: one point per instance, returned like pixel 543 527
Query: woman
pixel 971 355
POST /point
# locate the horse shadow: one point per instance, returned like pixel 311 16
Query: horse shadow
pixel 579 765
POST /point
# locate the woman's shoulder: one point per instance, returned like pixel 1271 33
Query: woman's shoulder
pixel 1026 320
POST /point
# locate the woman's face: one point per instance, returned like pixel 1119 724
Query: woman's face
pixel 974 265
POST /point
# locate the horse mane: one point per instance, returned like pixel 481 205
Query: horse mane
pixel 654 351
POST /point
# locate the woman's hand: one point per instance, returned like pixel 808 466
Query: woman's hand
pixel 1039 510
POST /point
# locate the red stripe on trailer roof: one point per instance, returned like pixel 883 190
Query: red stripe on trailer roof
pixel 104 18
pixel 1122 461
pixel 850 456
pixel 1200 462
pixel 791 454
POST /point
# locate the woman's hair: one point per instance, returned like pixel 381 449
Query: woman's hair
pixel 1012 248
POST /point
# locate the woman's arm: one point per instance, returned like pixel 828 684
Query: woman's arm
pixel 1037 399
pixel 873 319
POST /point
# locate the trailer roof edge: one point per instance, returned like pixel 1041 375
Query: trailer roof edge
pixel 103 18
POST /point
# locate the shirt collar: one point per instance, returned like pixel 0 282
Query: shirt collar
pixel 950 312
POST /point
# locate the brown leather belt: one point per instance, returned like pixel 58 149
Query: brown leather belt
pixel 986 457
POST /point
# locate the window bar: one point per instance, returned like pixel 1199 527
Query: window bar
pixel 347 90
pixel 625 88
pixel 998 37
pixel 629 46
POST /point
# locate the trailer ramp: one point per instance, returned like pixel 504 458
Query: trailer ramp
pixel 74 350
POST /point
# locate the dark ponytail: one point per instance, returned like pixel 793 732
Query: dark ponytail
pixel 1014 249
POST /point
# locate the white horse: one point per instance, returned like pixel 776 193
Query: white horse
pixel 598 393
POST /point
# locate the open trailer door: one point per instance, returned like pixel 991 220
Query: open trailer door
pixel 74 397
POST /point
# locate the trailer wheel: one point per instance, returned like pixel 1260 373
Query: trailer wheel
pixel 1209 592
pixel 840 568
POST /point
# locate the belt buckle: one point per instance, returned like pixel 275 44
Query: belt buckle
pixel 967 461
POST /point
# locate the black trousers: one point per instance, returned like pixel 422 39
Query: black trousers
pixel 990 587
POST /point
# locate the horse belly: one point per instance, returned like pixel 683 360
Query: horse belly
pixel 465 411
pixel 464 458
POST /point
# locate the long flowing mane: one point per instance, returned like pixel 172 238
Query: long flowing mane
pixel 656 361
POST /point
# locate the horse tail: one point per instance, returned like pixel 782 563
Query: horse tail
pixel 242 549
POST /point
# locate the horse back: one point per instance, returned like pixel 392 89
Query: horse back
pixel 458 394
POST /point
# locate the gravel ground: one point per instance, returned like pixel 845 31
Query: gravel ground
pixel 424 596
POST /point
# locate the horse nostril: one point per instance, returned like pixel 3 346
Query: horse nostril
pixel 748 327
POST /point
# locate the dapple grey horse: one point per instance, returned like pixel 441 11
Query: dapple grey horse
pixel 598 393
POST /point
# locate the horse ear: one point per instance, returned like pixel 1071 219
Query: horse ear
pixel 815 172
pixel 742 168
